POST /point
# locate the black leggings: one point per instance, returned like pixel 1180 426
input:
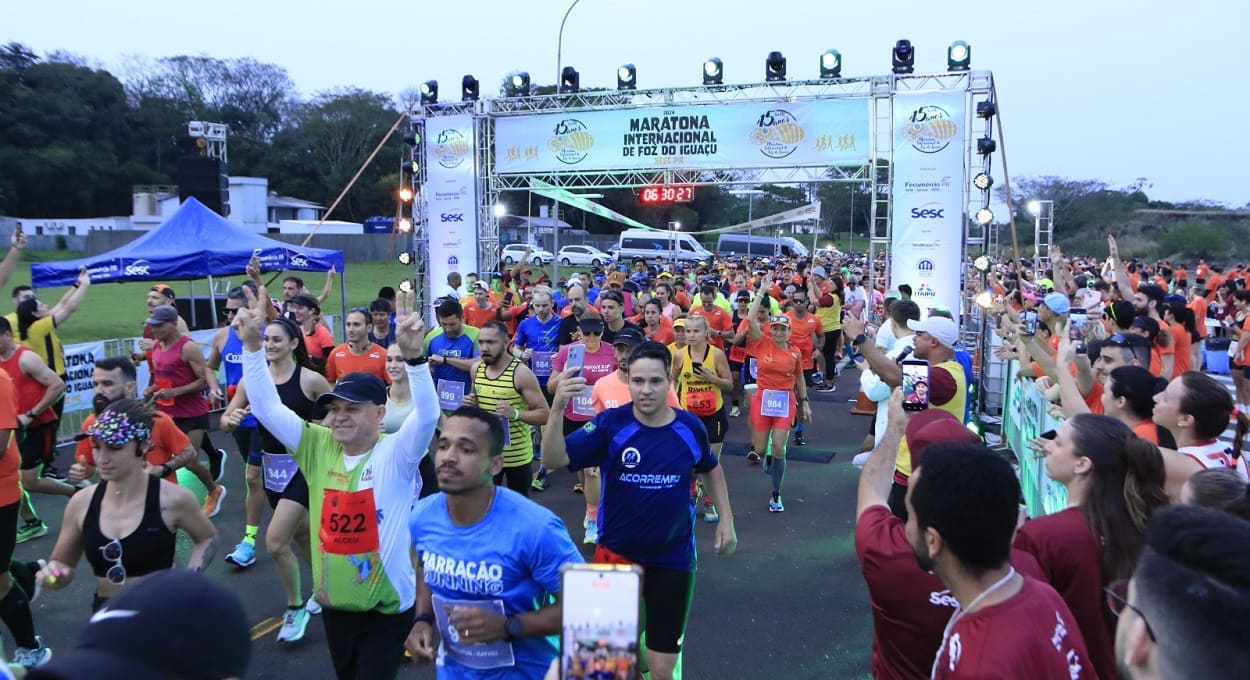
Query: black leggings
pixel 366 645
pixel 833 340
pixel 517 478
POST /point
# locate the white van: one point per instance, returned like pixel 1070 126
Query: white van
pixel 649 244
pixel 749 245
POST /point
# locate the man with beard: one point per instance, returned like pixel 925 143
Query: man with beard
pixel 568 325
pixel 489 559
pixel 962 508
pixel 113 379
pixel 358 354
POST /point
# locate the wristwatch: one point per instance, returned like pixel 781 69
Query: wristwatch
pixel 859 339
pixel 167 469
pixel 417 361
pixel 426 617
pixel 512 626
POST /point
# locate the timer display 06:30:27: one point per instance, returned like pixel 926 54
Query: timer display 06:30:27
pixel 667 193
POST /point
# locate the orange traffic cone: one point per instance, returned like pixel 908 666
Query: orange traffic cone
pixel 864 406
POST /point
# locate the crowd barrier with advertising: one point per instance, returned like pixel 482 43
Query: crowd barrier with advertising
pixel 1025 416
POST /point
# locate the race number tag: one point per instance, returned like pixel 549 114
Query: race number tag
pixel 738 354
pixel 279 469
pixel 450 394
pixel 753 367
pixel 775 404
pixel 480 655
pixel 164 384
pixel 541 363
pixel 701 403
pixel 507 431
pixel 349 522
pixel 582 404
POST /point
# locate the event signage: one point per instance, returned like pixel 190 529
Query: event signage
pixel 927 196
pixel 451 197
pixel 79 365
pixel 1026 414
pixel 719 136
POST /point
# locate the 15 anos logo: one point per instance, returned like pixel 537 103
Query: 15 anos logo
pixel 451 147
pixel 930 129
pixel 571 141
pixel 777 133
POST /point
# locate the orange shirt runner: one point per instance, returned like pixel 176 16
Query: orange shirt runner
pixel 612 391
pixel 803 334
pixel 342 361
pixel 167 442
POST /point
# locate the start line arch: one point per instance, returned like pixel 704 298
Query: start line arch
pixel 911 138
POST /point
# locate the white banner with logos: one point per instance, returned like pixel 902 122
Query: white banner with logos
pixel 927 204
pixel 451 198
pixel 79 365
pixel 720 136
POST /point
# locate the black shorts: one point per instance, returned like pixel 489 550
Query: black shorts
pixel 36 444
pixel 247 439
pixel 8 535
pixel 666 596
pixel 517 478
pixel 296 490
pixel 192 423
pixel 717 425
pixel 571 426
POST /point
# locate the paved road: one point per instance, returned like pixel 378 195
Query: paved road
pixel 791 602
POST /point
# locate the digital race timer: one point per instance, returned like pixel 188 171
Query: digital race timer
pixel 667 193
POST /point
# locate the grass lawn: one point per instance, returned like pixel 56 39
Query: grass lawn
pixel 117 310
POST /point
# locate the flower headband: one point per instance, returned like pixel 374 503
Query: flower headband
pixel 115 429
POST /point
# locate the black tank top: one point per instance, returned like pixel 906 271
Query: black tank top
pixel 148 548
pixel 292 395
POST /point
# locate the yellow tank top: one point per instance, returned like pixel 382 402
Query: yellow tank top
pixel 955 407
pixel 697 395
pixel 518 449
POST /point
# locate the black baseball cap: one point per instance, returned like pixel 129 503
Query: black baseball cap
pixel 630 337
pixel 304 301
pixel 131 636
pixel 591 322
pixel 358 388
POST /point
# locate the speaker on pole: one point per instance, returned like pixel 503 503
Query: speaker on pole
pixel 207 180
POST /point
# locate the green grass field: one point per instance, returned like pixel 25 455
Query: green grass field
pixel 117 310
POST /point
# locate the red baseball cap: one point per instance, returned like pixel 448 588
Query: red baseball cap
pixel 935 426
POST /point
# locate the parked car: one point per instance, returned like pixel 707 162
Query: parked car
pixel 584 255
pixel 513 252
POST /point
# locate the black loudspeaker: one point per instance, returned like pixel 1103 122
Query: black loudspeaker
pixel 207 180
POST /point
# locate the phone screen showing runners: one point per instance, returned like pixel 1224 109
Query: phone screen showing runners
pixel 600 609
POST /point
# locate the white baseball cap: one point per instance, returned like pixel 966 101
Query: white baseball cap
pixel 939 327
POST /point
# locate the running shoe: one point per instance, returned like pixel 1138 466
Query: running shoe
pixel 799 440
pixel 826 386
pixel 50 472
pixel 294 622
pixel 212 502
pixel 578 488
pixel 243 555
pixel 734 412
pixel 768 463
pixel 29 658
pixel 753 457
pixel 313 606
pixel 540 480
pixel 775 505
pixel 31 529
pixel 710 515
pixel 592 532
pixel 217 464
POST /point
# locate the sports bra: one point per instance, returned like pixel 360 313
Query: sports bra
pixel 149 548
pixel 291 393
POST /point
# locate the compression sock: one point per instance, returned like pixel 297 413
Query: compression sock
pixel 778 473
pixel 249 535
pixel 15 612
pixel 798 428
pixel 592 512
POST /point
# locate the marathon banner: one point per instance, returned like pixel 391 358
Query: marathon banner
pixel 702 137
pixel 451 197
pixel 927 197
pixel 79 365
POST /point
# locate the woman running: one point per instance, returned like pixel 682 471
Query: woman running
pixel 126 522
pixel 298 386
pixel 657 326
pixel 779 376
pixel 701 373
pixel 398 406
pixel 1114 480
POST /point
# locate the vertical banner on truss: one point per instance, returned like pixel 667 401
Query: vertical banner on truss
pixel 451 198
pixel 927 197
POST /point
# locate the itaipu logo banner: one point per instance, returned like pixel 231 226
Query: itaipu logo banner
pixel 723 136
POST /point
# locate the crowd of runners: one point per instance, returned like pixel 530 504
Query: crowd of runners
pixel 631 377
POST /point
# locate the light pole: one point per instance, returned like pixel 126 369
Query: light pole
pixel 750 194
pixel 560 46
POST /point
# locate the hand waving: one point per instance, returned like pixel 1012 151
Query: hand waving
pixel 249 322
pixel 409 327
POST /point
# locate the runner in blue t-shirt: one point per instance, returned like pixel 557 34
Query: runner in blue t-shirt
pixel 452 349
pixel 490 562
pixel 537 340
pixel 648 454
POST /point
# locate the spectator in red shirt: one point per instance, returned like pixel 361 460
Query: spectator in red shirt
pixel 910 607
pixel 1182 614
pixel 1114 480
pixel 962 508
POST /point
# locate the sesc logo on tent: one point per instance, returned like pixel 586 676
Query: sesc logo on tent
pixel 138 268
pixel 299 260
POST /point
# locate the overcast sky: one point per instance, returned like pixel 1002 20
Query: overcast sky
pixel 1089 89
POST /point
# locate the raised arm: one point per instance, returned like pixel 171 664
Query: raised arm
pixel 328 288
pixel 11 258
pixel 284 424
pixel 69 302
pixel 878 474
pixel 418 428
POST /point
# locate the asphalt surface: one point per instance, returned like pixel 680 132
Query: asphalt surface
pixel 789 604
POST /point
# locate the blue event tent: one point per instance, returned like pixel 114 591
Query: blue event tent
pixel 194 243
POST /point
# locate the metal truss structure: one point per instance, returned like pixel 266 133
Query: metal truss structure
pixel 877 172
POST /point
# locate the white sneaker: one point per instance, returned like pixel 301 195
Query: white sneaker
pixel 861 459
pixel 29 658
pixel 294 622
pixel 312 606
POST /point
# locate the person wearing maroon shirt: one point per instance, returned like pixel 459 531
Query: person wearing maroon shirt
pixel 1182 614
pixel 910 607
pixel 1114 481
pixel 962 508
